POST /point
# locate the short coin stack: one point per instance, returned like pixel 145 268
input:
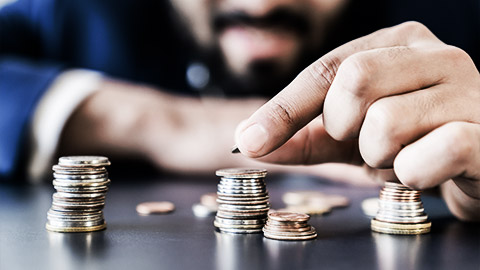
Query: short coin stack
pixel 400 211
pixel 81 183
pixel 289 226
pixel 242 201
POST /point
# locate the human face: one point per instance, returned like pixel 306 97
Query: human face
pixel 275 33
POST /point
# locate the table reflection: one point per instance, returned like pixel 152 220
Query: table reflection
pixel 68 249
pixel 236 251
pixel 400 251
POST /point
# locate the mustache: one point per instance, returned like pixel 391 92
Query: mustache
pixel 282 18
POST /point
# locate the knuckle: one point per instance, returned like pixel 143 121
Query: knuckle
pixel 458 143
pixel 324 70
pixel 412 28
pixel 283 112
pixel 380 117
pixel 379 140
pixel 456 55
pixel 358 70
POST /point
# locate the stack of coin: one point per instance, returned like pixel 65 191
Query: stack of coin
pixel 242 201
pixel 400 211
pixel 289 226
pixel 81 183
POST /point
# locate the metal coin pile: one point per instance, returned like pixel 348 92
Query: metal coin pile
pixel 289 226
pixel 400 211
pixel 242 201
pixel 81 183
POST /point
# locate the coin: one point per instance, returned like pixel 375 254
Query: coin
pixel 291 238
pixel 288 216
pixel 84 161
pixel 76 229
pixel 240 173
pixel 149 208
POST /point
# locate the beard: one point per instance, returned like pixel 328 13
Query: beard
pixel 262 78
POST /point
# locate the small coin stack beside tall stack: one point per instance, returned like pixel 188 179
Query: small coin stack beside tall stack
pixel 81 183
pixel 242 201
pixel 401 211
pixel 289 226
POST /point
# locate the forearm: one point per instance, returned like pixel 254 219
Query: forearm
pixel 112 120
pixel 174 132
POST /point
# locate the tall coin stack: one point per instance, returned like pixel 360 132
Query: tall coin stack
pixel 400 211
pixel 289 226
pixel 81 183
pixel 242 201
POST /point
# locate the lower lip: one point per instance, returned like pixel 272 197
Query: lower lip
pixel 256 44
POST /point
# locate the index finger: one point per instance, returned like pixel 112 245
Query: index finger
pixel 302 100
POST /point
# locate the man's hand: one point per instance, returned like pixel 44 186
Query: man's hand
pixel 398 98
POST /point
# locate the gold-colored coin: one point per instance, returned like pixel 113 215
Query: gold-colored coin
pixel 401 226
pixel 76 229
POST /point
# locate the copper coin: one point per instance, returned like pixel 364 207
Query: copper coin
pixel 149 208
pixel 288 216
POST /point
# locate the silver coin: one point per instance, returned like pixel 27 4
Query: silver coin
pixel 239 231
pixel 78 170
pixel 75 223
pixel 80 176
pixel 80 183
pixel 235 226
pixel 249 187
pixel 226 196
pixel 234 181
pixel 290 238
pixel 246 181
pixel 244 207
pixel 82 161
pixel 251 202
pixel 227 215
pixel 241 173
pixel 227 221
pixel 52 212
pixel 399 219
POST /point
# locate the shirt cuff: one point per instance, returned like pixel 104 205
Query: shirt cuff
pixel 65 94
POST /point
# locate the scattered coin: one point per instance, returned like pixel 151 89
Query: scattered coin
pixel 242 199
pixel 209 199
pixel 151 208
pixel 400 211
pixel 289 226
pixel 201 210
pixel 81 184
pixel 307 209
pixel 370 206
pixel 312 202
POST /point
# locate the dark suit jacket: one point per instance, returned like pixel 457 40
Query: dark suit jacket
pixel 137 40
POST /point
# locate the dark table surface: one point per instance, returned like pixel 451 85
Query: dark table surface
pixel 182 241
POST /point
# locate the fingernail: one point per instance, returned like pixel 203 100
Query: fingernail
pixel 253 138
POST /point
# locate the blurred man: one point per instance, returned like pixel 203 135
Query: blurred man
pixel 169 81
